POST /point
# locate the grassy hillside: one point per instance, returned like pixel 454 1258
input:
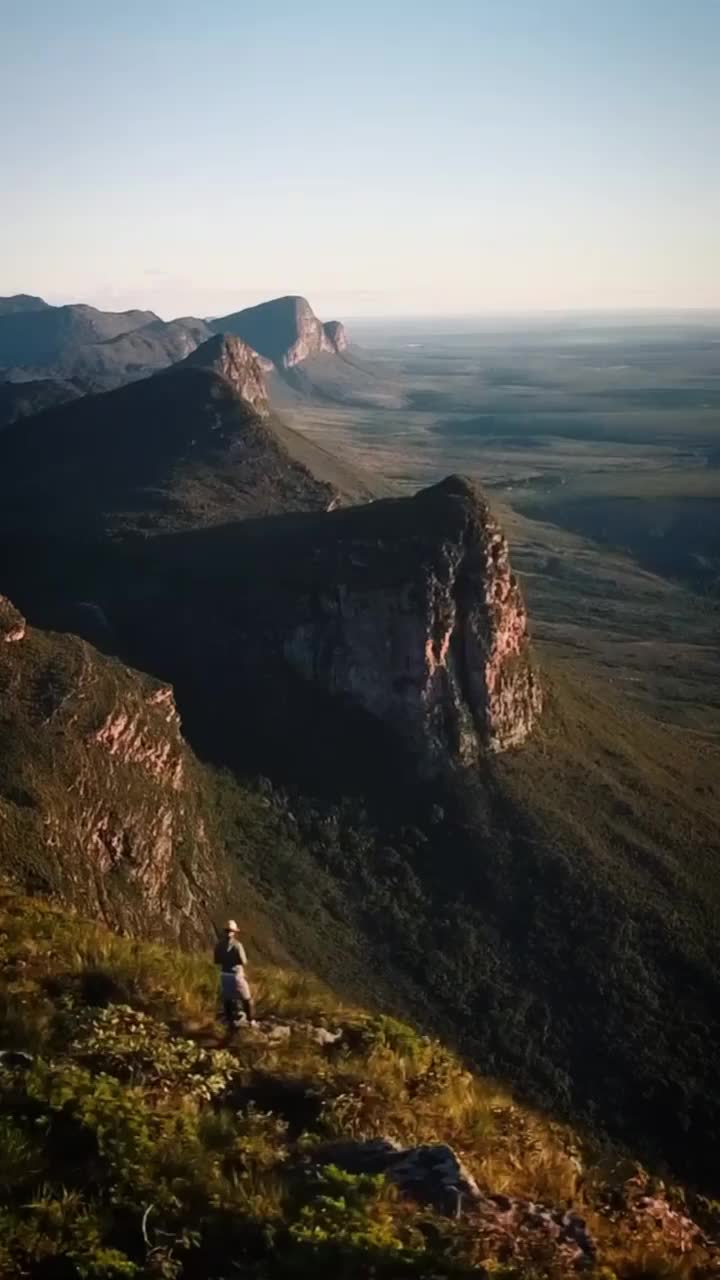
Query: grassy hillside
pixel 138 1141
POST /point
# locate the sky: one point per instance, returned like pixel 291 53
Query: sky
pixel 395 157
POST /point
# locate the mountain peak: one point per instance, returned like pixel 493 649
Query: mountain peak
pixel 19 302
pixel 284 330
pixel 237 363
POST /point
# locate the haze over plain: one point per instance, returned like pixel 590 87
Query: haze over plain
pixel 402 158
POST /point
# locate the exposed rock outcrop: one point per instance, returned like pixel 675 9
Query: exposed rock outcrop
pixel 336 335
pixel 235 361
pixel 284 330
pixel 47 337
pixel 409 609
pixel 434 1174
pixel 421 620
pixel 12 623
pixel 100 799
pixel 404 612
pixel 101 350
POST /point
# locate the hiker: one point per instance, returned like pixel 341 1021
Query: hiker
pixel 234 988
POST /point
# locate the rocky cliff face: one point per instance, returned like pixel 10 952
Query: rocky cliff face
pixel 336 335
pixel 235 361
pixel 421 622
pixel 100 799
pixel 12 623
pixel 404 610
pixel 285 331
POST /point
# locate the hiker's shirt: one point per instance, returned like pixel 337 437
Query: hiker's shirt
pixel 230 955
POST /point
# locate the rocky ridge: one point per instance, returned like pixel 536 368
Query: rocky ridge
pixel 403 611
pixel 238 364
pixel 336 335
pixel 195 446
pixel 99 350
pixel 12 623
pixel 100 799
pixel 44 337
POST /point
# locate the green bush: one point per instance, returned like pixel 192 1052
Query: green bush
pixel 134 1046
pixel 21 1155
pixel 353 1213
pixel 54 1227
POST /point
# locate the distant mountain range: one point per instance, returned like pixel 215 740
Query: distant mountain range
pixel 99 350
pixel 187 448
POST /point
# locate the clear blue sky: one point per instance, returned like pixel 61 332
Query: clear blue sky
pixel 389 157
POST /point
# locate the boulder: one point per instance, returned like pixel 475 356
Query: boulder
pixel 434 1174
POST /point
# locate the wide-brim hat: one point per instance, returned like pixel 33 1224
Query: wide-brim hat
pixel 231 926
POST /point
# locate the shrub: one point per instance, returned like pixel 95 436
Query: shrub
pixel 57 1226
pixel 21 1155
pixel 355 1212
pixel 134 1046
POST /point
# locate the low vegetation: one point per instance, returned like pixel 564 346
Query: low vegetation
pixel 136 1140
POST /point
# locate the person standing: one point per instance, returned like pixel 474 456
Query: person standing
pixel 234 987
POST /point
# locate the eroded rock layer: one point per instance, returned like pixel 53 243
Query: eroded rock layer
pixel 100 801
pixel 419 619
pixel 235 361
pixel 405 610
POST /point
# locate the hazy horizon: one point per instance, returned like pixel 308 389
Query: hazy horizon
pixel 394 161
pixel 508 315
